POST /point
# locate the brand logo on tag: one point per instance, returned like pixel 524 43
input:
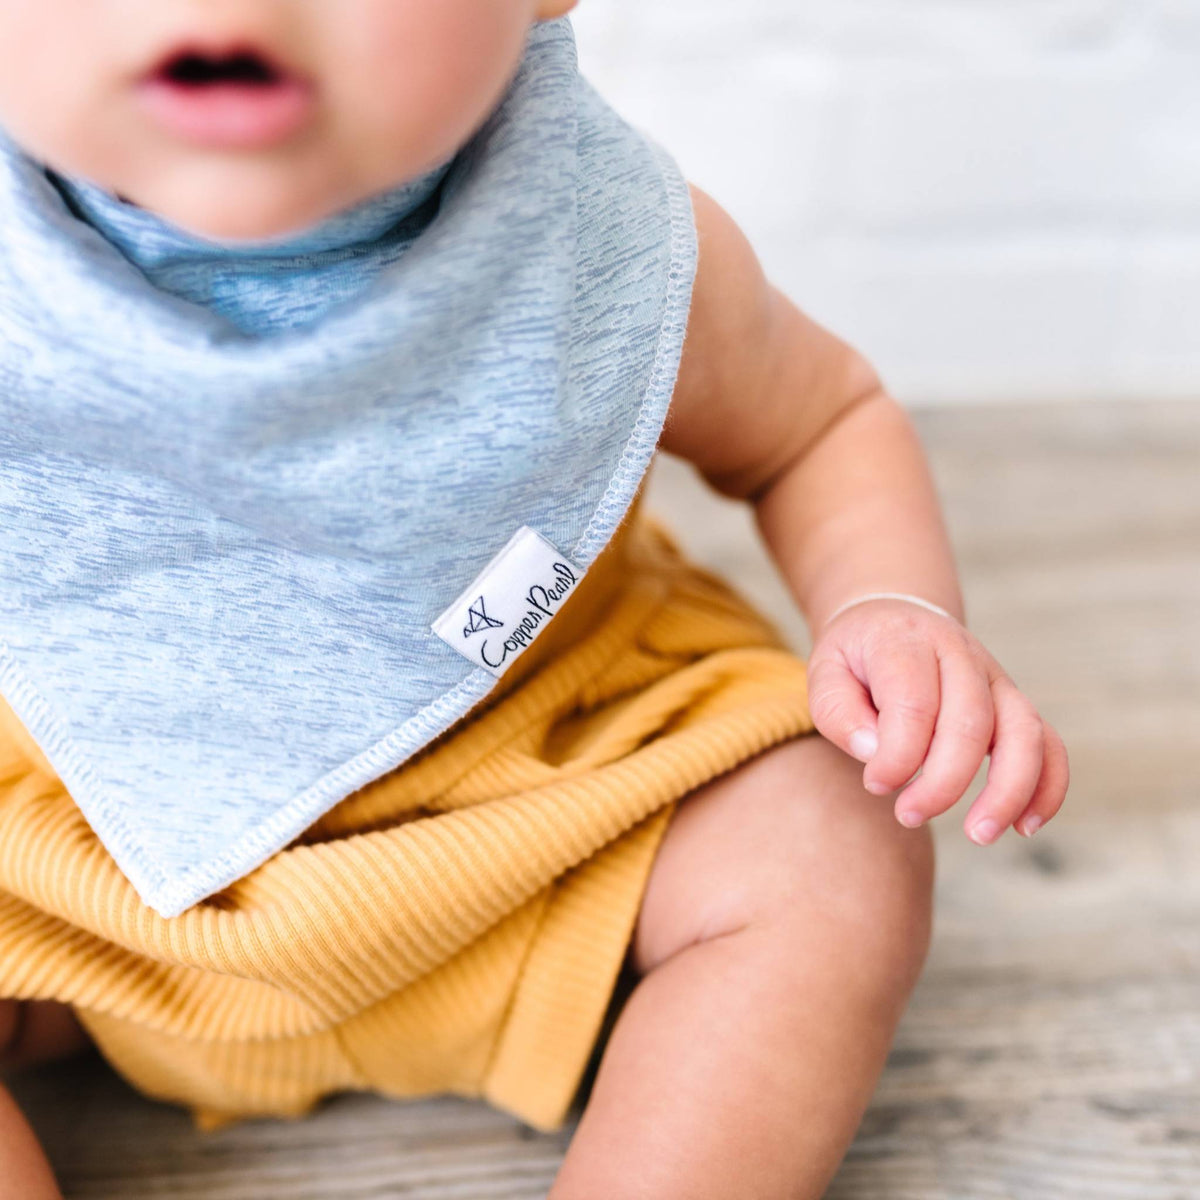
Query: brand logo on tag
pixel 497 618
pixel 479 621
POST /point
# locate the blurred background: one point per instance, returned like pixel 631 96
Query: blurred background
pixel 998 201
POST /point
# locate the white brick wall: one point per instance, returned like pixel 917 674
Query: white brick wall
pixel 993 198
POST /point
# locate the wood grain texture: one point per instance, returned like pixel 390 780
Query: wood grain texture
pixel 1053 1046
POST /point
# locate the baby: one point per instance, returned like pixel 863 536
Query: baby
pixel 335 343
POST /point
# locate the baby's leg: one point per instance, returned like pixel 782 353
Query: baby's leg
pixel 784 925
pixel 29 1033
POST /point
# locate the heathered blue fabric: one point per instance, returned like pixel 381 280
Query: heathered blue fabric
pixel 267 287
pixel 238 484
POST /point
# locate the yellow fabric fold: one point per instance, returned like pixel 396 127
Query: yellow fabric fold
pixel 458 925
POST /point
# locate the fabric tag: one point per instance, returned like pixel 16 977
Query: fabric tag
pixel 497 618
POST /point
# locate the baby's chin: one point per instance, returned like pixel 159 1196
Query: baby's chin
pixel 252 219
pixel 252 203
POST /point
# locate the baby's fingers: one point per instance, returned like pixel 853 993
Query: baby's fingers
pixel 961 740
pixel 906 691
pixel 1051 788
pixel 1018 754
pixel 841 709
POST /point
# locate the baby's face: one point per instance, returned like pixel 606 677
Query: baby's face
pixel 254 118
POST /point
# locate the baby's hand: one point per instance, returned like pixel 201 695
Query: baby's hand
pixel 903 689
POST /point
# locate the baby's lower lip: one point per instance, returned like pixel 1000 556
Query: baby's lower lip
pixel 228 115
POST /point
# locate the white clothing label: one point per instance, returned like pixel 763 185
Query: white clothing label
pixel 495 620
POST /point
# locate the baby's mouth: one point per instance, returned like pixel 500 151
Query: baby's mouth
pixel 226 98
pixel 195 69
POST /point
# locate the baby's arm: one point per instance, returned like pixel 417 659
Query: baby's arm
pixel 773 409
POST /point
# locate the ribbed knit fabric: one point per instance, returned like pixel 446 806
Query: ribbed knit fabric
pixel 456 926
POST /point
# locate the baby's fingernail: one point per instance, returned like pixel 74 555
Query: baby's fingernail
pixel 863 744
pixel 876 788
pixel 910 819
pixel 1030 827
pixel 984 832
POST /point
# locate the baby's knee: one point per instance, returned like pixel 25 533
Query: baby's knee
pixel 889 912
pixel 869 921
pixel 871 880
pixel 792 842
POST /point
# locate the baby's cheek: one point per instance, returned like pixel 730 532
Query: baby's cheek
pixel 408 82
pixel 59 98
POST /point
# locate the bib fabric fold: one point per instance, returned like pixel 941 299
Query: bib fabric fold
pixel 247 565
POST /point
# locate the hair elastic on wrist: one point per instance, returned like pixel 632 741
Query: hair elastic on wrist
pixel 903 596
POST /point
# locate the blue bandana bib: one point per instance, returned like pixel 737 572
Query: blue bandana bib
pixel 273 517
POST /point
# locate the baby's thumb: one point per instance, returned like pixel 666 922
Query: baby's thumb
pixel 841 709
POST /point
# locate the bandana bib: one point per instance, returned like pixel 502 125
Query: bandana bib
pixel 252 561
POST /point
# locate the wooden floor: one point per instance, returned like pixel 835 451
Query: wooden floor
pixel 1053 1047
